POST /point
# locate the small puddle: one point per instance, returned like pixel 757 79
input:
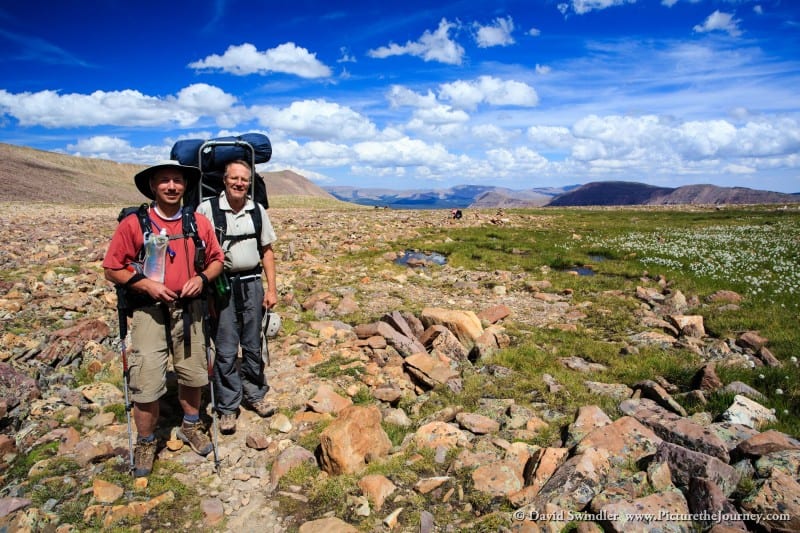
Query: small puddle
pixel 581 271
pixel 414 258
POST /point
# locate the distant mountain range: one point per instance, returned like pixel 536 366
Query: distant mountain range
pixel 30 175
pixel 629 193
pixel 460 196
pixel 595 193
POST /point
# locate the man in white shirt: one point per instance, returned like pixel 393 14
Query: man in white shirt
pixel 240 314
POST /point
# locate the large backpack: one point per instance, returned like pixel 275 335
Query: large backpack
pixel 129 300
pixel 211 185
pixel 211 156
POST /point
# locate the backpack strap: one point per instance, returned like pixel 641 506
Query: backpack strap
pixel 220 220
pixel 221 225
pixel 189 229
pixel 128 300
pixel 255 214
pixel 143 215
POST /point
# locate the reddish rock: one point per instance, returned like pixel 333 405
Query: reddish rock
pixel 352 440
pixel 495 313
pixel 377 488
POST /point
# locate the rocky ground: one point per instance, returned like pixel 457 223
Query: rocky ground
pixel 421 330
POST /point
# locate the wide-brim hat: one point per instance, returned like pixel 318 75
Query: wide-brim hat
pixel 142 179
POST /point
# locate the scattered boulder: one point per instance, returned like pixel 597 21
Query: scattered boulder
pixel 352 440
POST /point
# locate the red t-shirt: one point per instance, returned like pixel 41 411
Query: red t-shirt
pixel 128 240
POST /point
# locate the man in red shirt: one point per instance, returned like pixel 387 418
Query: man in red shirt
pixel 170 322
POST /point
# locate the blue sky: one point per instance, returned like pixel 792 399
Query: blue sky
pixel 411 95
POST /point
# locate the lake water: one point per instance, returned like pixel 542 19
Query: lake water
pixel 414 258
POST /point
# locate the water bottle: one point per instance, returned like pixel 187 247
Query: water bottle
pixel 155 255
pixel 222 286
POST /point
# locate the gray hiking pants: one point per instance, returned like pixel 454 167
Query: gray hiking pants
pixel 236 327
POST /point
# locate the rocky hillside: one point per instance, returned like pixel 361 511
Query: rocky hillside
pixel 30 175
pixel 398 422
pixel 631 193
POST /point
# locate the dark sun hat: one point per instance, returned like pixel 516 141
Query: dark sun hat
pixel 142 179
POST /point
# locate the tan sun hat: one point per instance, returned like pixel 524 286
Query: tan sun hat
pixel 142 179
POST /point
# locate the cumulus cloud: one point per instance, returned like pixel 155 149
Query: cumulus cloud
pixel 400 96
pixel 441 114
pixel 496 34
pixel 581 7
pixel 117 149
pixel 491 90
pixel 551 136
pixel 316 119
pixel 100 144
pixel 287 58
pixel 652 142
pixel 493 135
pixel 401 153
pixel 120 108
pixel 534 32
pixel 719 21
pixel 431 46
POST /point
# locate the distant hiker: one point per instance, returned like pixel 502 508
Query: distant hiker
pixel 246 236
pixel 167 320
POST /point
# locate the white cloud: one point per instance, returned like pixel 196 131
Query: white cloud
pixel 518 160
pixel 739 169
pixel 400 96
pixel 401 153
pixel 719 21
pixel 120 108
pixel 345 57
pixel 205 99
pixel 551 136
pixel 491 90
pixel 117 149
pixel 651 144
pixel 287 58
pixel 436 46
pixel 493 135
pixel 441 114
pixel 581 7
pixel 496 34
pixel 315 153
pixel 100 144
pixel 670 3
pixel 542 69
pixel 316 119
pixel 534 32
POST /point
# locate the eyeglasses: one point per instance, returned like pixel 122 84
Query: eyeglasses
pixel 235 179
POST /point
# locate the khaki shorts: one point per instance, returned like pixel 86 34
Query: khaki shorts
pixel 150 355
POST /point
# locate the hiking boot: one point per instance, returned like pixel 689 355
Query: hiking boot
pixel 195 436
pixel 263 407
pixel 227 423
pixel 144 453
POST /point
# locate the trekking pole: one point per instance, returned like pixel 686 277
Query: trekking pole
pixel 214 426
pixel 123 333
pixel 265 316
